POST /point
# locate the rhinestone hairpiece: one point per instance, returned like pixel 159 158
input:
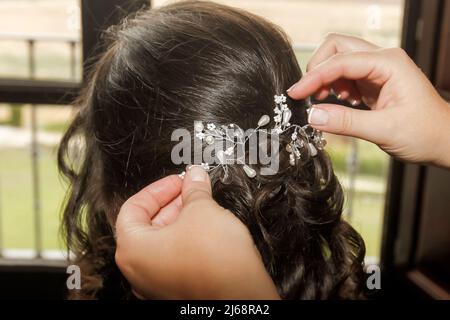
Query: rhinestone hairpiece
pixel 302 137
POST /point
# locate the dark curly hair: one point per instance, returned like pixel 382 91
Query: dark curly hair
pixel 163 69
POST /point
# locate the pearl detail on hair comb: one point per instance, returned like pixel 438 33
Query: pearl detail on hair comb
pixel 302 138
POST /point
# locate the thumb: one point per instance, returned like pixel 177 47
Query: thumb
pixel 196 186
pixel 365 124
pixel 140 209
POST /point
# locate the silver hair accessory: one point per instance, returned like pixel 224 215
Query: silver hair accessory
pixel 302 138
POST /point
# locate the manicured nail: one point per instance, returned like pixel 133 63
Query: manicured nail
pixel 292 87
pixel 197 173
pixel 339 96
pixel 317 116
pixel 355 102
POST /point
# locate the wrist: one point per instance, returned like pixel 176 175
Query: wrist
pixel 245 277
pixel 251 283
pixel 443 146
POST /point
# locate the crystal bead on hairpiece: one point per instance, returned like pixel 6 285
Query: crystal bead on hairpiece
pixel 302 138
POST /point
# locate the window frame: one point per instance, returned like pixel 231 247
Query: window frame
pixel 410 185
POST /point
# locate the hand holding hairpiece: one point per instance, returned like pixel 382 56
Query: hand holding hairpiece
pixel 301 137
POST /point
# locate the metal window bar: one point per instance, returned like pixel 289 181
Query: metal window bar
pixel 35 158
pixel 352 171
pixel 73 59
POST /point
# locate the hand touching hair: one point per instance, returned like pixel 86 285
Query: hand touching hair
pixel 163 70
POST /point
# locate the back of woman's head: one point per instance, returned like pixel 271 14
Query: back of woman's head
pixel 163 70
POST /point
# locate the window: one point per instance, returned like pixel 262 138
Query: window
pixel 31 190
pixel 40 50
pixel 40 39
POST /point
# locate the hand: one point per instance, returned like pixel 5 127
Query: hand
pixel 175 242
pixel 408 119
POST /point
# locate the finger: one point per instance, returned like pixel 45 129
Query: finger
pixel 354 95
pixel 144 205
pixel 346 90
pixel 341 90
pixel 370 125
pixel 351 66
pixel 169 213
pixel 196 186
pixel 323 93
pixel 338 43
pixel 137 295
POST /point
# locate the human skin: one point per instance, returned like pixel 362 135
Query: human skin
pixel 407 118
pixel 175 242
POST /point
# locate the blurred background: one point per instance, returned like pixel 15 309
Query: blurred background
pixel 44 48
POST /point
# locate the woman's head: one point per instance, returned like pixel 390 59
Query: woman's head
pixel 165 69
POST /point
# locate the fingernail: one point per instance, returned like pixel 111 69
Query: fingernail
pixel 292 87
pixel 339 96
pixel 197 174
pixel 355 102
pixel 318 116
